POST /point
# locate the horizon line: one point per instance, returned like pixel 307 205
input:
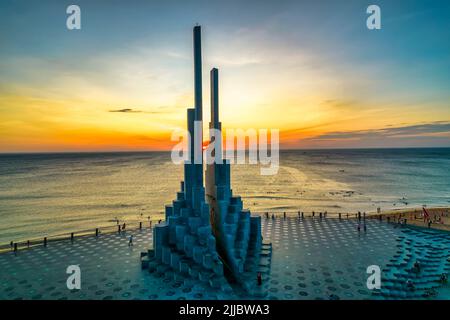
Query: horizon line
pixel 162 151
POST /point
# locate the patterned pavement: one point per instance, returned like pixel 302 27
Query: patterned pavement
pixel 312 258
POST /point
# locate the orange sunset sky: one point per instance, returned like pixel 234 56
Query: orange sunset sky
pixel 313 71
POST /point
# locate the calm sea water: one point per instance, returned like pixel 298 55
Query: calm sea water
pixel 47 194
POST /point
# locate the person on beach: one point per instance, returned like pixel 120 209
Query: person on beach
pixel 284 215
pixel 365 228
pixel 130 243
pixel 123 226
pixel 359 228
pixel 259 278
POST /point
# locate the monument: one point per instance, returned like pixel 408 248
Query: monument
pixel 207 236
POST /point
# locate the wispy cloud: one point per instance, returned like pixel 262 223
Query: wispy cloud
pixel 127 110
pixel 157 110
pixel 433 129
pixel 177 55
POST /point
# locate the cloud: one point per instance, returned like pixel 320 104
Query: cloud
pixel 177 55
pixel 342 104
pixel 437 129
pixel 127 110
pixel 159 110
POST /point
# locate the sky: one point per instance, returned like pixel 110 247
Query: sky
pixel 311 69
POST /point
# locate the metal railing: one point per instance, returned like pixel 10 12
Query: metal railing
pixel 14 246
pixel 134 225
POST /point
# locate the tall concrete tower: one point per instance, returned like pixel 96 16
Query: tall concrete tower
pixel 198 101
pixel 216 174
pixel 198 73
pixel 215 97
pixel 208 236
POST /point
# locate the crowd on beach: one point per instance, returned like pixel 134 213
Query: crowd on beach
pixel 431 218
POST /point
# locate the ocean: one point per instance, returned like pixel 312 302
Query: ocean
pixel 48 194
